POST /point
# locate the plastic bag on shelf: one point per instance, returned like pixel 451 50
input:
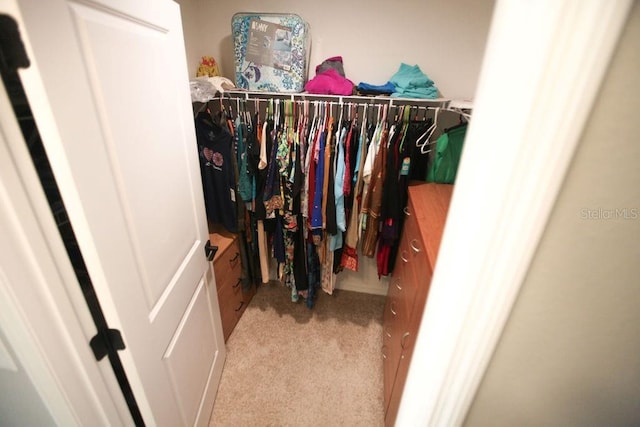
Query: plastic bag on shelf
pixel 204 89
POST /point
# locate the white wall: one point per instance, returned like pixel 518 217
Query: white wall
pixel 192 39
pixel 445 38
pixel 569 355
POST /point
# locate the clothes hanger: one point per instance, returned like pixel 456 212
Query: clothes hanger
pixel 365 117
pixel 385 110
pixel 426 136
pixel 415 110
pixel 203 107
pixel 406 118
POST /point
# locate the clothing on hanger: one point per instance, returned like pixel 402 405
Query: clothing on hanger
pixel 319 184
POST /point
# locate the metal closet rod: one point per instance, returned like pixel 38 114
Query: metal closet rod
pixel 442 103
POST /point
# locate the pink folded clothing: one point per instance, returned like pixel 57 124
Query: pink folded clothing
pixel 329 82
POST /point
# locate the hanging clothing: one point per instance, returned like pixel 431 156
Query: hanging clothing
pixel 371 207
pixel 340 176
pixel 447 157
pixel 419 155
pixel 314 194
pixel 216 169
pixel 393 200
pixel 350 253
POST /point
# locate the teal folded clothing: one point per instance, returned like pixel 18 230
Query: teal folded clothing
pixel 427 92
pixel 411 82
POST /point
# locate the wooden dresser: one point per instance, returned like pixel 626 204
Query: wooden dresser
pixel 226 265
pixel 409 286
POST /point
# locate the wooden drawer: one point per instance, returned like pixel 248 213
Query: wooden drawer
pixel 227 265
pixel 228 270
pixel 405 282
pixel 231 302
pixel 393 324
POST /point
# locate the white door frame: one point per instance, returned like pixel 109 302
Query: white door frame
pixel 43 314
pixel 45 110
pixel 543 66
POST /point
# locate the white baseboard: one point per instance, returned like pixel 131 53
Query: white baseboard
pixel 365 280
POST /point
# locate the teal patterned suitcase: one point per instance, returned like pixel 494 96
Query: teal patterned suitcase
pixel 271 51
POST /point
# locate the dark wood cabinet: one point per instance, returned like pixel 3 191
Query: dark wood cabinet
pixel 227 267
pixel 425 216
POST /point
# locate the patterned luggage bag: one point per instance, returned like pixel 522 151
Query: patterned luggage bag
pixel 271 51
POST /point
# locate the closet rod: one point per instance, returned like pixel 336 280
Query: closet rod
pixel 339 99
pixel 461 107
pixel 333 103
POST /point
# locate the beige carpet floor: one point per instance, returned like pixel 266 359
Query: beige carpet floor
pixel 290 366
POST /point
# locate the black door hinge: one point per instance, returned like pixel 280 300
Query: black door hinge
pixel 106 340
pixel 210 250
pixel 12 52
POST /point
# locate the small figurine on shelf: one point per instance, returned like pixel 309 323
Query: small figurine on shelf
pixel 208 67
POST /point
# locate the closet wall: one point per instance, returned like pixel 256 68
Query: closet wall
pixel 569 354
pixel 445 38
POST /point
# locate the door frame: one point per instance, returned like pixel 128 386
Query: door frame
pixel 468 307
pixel 69 300
pixel 43 314
pixel 543 65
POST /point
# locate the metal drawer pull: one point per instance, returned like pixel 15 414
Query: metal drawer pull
pixel 240 306
pixel 398 285
pixel 235 257
pixel 403 257
pixel 238 283
pixel 415 248
pixel 391 308
pixel 406 211
pixel 404 336
pixel 387 333
pixel 384 356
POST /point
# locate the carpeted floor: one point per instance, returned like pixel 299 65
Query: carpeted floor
pixel 291 366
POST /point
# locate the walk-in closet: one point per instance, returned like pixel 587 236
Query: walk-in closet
pixel 336 192
pixel 319 213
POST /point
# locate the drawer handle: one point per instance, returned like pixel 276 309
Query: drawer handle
pixel 403 257
pixel 238 283
pixel 397 283
pixel 391 308
pixel 240 306
pixel 414 246
pixel 404 336
pixel 235 257
pixel 387 333
pixel 406 211
pixel 384 356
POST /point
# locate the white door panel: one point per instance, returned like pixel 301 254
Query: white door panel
pixel 139 141
pixel 189 350
pixel 116 121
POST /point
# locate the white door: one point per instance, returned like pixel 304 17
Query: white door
pixel 109 89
